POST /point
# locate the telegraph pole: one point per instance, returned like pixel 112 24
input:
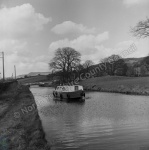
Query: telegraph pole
pixel 3 65
pixel 15 71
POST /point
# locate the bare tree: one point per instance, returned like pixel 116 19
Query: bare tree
pixel 141 30
pixel 115 64
pixel 87 64
pixel 111 59
pixel 79 69
pixel 65 60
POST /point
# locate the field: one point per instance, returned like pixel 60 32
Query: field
pixel 127 85
pixel 33 79
pixel 117 84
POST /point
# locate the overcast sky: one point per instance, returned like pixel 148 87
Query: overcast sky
pixel 31 30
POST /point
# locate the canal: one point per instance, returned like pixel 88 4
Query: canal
pixel 105 121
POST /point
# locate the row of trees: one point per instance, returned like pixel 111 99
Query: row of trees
pixel 67 66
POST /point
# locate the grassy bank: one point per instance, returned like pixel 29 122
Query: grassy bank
pixel 20 125
pixel 117 84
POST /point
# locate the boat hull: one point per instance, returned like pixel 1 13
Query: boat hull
pixel 69 95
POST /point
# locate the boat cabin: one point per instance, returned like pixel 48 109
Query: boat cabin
pixel 69 88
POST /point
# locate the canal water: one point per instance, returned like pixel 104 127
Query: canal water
pixel 105 121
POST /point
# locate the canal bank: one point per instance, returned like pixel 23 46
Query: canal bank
pixel 118 84
pixel 20 124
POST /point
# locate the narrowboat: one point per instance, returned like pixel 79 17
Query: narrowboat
pixel 74 92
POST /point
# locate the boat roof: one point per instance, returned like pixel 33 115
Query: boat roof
pixel 69 88
pixel 68 85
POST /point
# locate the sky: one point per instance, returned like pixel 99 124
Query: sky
pixel 31 30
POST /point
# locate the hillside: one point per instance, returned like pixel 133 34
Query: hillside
pixel 38 73
pixel 128 61
pixel 38 78
pixel 33 74
pixel 131 61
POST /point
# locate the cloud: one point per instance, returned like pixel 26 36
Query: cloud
pixel 124 45
pixel 20 21
pixel 71 27
pixel 16 25
pixel 139 49
pixel 32 67
pixel 10 46
pixel 88 45
pixel 25 64
pixel 17 53
pixel 134 2
pixel 142 46
pixel 91 47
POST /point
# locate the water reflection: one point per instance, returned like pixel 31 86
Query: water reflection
pixel 105 121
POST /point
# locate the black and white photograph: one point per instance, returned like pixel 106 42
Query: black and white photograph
pixel 74 74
